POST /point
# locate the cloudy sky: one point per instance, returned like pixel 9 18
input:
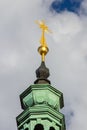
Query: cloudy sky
pixel 67 58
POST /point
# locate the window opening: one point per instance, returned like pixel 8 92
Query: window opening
pixel 39 127
pixel 26 129
pixel 52 128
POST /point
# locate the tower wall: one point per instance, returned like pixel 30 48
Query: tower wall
pixel 41 104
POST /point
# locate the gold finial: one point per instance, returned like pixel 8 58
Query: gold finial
pixel 43 49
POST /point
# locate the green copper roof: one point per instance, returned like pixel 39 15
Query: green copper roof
pixel 42 94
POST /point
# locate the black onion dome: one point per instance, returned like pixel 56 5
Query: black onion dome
pixel 42 73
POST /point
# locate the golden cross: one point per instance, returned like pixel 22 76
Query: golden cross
pixel 43 49
pixel 44 28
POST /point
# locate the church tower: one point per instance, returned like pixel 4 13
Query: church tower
pixel 41 102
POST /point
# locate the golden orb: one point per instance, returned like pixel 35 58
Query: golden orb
pixel 43 50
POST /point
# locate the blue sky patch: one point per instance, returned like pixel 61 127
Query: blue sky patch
pixel 69 5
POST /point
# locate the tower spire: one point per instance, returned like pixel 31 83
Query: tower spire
pixel 43 49
pixel 41 102
pixel 42 73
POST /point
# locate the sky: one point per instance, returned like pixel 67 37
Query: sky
pixel 66 60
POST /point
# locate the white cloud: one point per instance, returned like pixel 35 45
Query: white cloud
pixel 84 7
pixel 67 59
pixel 70 37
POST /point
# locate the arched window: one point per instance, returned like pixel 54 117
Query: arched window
pixel 26 129
pixel 39 127
pixel 52 128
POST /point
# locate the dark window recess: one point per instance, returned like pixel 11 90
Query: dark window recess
pixel 39 127
pixel 26 129
pixel 52 128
